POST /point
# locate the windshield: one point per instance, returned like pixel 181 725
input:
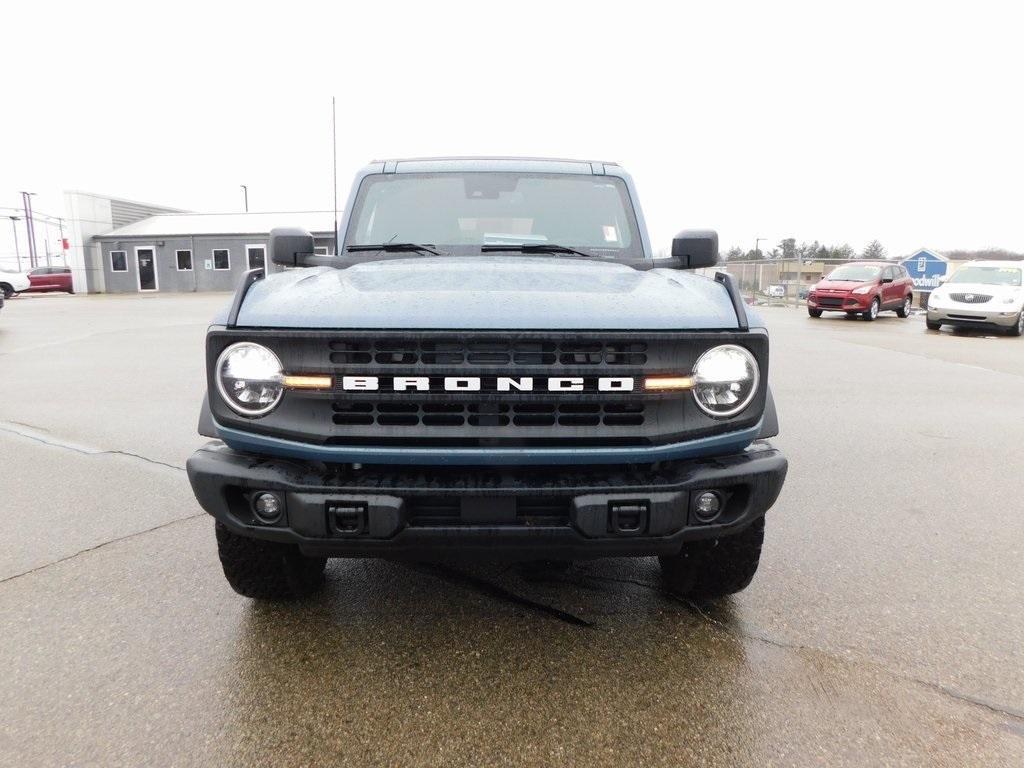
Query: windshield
pixel 856 272
pixel 987 275
pixel 461 212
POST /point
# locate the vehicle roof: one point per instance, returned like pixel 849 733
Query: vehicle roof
pixel 495 163
pixel 1002 263
pixel 185 224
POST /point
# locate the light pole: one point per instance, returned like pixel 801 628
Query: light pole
pixel 245 191
pixel 26 201
pixel 757 250
pixel 14 229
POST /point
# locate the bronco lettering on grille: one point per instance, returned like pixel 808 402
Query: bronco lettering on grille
pixel 475 384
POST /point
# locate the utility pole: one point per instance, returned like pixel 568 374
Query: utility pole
pixel 334 161
pixel 14 229
pixel 26 201
pixel 757 250
pixel 245 191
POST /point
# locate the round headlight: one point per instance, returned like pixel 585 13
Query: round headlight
pixel 250 378
pixel 725 380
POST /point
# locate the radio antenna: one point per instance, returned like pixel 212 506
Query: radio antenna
pixel 334 149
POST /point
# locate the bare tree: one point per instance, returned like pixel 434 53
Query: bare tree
pixel 873 251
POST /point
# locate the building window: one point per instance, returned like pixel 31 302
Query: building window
pixel 184 261
pixel 256 256
pixel 321 250
pixel 221 258
pixel 119 261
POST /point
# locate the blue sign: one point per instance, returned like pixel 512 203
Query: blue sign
pixel 926 267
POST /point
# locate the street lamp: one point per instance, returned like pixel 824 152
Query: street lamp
pixel 245 191
pixel 14 229
pixel 30 229
pixel 757 250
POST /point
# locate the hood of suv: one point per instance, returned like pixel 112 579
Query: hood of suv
pixel 485 292
pixel 841 286
pixel 981 289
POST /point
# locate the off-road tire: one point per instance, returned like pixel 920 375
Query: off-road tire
pixel 267 570
pixel 714 568
pixel 873 310
pixel 932 326
pixel 1018 329
pixel 905 307
pixel 813 312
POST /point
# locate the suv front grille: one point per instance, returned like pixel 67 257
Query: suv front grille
pixel 970 298
pixel 425 413
pixel 516 414
pixel 830 301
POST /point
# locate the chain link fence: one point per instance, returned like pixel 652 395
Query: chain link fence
pixel 778 282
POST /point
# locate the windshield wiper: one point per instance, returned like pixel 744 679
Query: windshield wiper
pixel 534 248
pixel 395 248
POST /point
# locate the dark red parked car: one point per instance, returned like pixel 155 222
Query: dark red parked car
pixel 863 288
pixel 46 279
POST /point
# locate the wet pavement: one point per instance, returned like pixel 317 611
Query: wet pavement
pixel 884 627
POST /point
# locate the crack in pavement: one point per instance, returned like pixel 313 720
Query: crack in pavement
pixel 102 544
pixel 79 449
pixel 736 633
pixel 459 578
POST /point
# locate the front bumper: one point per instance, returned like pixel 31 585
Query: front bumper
pixel 559 513
pixel 967 315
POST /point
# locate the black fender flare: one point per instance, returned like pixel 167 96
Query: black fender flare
pixel 770 419
pixel 206 426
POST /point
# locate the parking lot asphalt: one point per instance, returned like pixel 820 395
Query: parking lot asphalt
pixel 885 626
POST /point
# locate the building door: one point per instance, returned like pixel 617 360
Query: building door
pixel 146 259
pixel 256 256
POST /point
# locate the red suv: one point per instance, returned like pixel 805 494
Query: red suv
pixel 863 288
pixel 45 279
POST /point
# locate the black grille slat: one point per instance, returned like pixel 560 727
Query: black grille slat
pixel 434 511
pixel 488 414
pixel 491 352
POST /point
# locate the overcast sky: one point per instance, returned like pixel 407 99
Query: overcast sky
pixel 840 123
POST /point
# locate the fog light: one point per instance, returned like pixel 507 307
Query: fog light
pixel 267 507
pixel 707 506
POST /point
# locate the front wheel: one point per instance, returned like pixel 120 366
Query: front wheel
pixel 932 326
pixel 715 567
pixel 267 570
pixel 872 313
pixel 904 311
pixel 813 312
pixel 1018 329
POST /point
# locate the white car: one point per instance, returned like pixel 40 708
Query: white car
pixel 985 294
pixel 12 282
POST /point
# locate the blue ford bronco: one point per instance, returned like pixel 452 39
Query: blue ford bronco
pixel 493 365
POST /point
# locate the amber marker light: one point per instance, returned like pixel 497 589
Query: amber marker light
pixel 308 382
pixel 668 383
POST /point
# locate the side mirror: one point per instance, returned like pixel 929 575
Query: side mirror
pixel 886 280
pixel 695 248
pixel 291 247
